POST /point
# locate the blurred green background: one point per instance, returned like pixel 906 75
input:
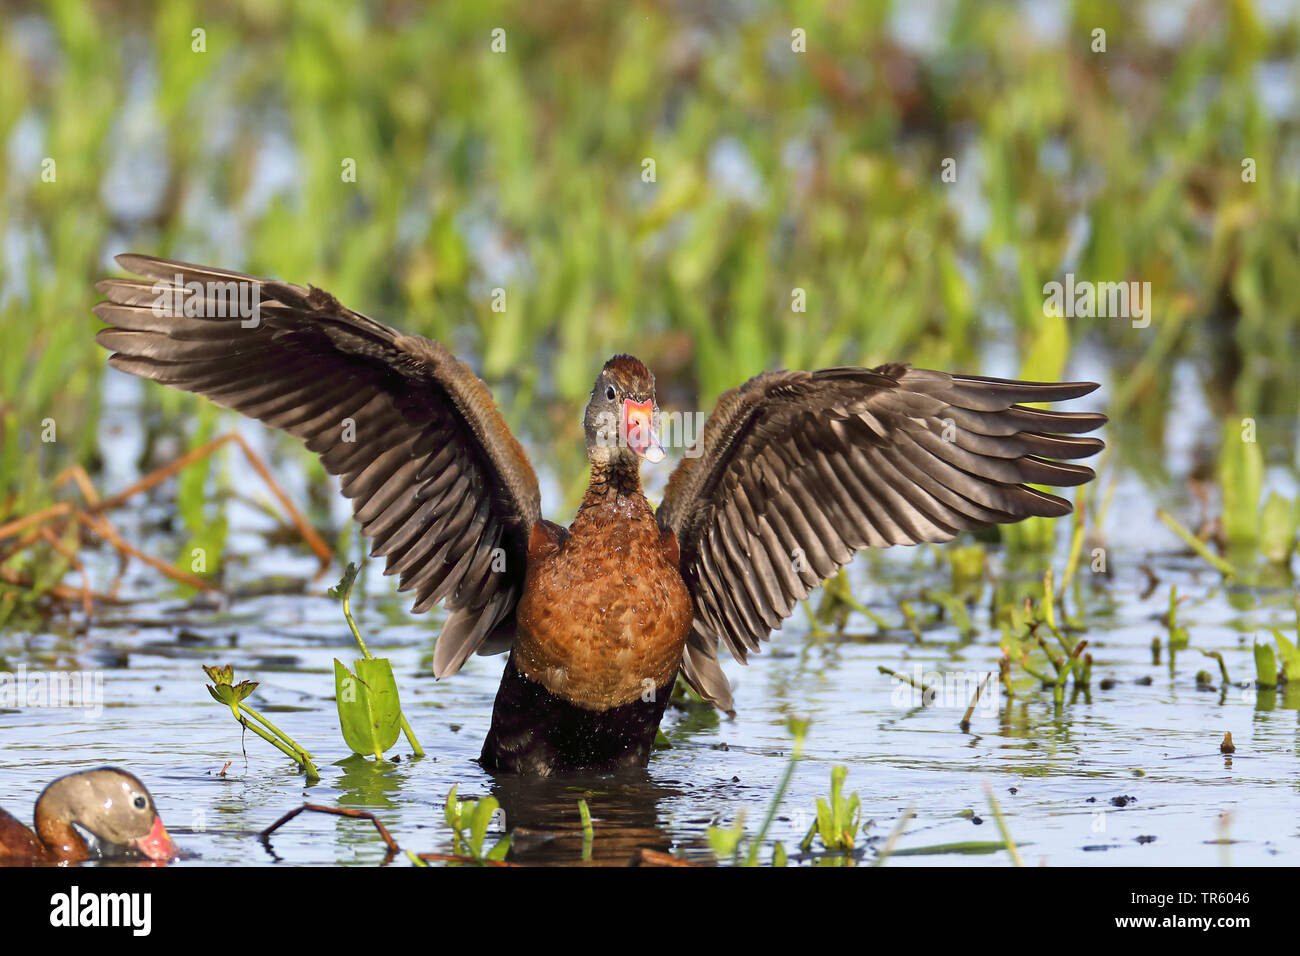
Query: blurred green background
pixel 774 169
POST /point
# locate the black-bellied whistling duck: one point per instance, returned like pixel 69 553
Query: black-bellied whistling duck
pixel 794 473
pixel 108 804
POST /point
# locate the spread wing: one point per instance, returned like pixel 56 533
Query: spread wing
pixel 796 471
pixel 436 479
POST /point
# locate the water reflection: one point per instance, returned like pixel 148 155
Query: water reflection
pixel 546 827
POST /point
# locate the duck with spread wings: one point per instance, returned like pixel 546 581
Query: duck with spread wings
pixel 794 472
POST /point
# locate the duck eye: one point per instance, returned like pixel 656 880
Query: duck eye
pixel 609 392
pixel 139 802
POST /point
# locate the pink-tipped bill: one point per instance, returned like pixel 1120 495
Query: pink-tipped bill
pixel 638 427
pixel 158 844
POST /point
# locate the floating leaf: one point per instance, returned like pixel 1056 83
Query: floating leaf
pixel 972 847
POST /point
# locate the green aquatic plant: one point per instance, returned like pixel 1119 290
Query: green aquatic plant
pixel 1022 633
pixel 207 533
pixel 1290 657
pixel 838 817
pixel 956 610
pixel 1290 672
pixel 1196 544
pixel 969 566
pixel 1178 636
pixel 1279 523
pixel 588 831
pixel 224 691
pixel 1250 519
pixel 469 820
pixel 1223 666
pixel 726 841
pixel 1241 478
pixel 370 708
pixel 1265 666
pixel 1003 829
pixel 837 602
pixel 368 705
pixel 1268 674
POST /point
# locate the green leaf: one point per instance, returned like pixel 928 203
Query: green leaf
pixel 1241 478
pixel 968 847
pixel 1265 666
pixel 483 811
pixel 369 709
pixel 1290 657
pixel 499 851
pixel 451 810
pixel 1278 522
pixel 853 818
pixel 192 486
pixel 726 840
pixel 825 824
pixel 344 587
pixel 1179 639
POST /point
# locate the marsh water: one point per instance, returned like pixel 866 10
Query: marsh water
pixel 1129 773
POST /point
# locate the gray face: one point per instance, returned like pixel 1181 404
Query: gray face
pixel 606 419
pixel 110 804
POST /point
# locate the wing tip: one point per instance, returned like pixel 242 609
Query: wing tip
pixel 137 262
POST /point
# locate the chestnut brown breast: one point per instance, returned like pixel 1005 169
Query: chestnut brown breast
pixel 18 844
pixel 604 614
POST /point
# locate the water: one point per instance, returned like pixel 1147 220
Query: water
pixel 1129 774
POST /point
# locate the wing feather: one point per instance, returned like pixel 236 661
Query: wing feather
pixel 797 471
pixel 436 479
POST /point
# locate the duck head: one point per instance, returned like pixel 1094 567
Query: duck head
pixel 109 804
pixel 622 418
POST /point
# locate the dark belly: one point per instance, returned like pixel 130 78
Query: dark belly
pixel 536 732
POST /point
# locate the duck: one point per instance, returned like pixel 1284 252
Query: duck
pixel 792 474
pixel 109 804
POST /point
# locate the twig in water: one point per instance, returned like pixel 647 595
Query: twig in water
pixel 393 848
pixel 965 721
